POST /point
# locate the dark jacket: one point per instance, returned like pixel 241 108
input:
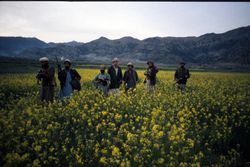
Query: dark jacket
pixel 151 74
pixel 47 76
pixel 62 76
pixel 181 75
pixel 116 80
pixel 130 78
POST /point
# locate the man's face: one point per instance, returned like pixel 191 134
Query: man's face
pixel 182 65
pixel 45 64
pixel 102 71
pixel 130 67
pixel 115 63
pixel 150 64
pixel 67 65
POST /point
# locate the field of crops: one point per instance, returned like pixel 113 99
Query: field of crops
pixel 206 126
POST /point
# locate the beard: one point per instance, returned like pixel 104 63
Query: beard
pixel 45 66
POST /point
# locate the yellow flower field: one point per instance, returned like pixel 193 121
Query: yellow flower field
pixel 206 126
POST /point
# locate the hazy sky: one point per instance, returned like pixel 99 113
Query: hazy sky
pixel 86 21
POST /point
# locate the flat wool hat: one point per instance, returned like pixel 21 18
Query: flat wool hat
pixel 67 60
pixel 42 59
pixel 130 64
pixel 150 61
pixel 115 59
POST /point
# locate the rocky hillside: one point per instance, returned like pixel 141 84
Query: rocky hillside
pixel 229 47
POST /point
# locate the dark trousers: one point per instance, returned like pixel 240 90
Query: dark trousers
pixel 47 93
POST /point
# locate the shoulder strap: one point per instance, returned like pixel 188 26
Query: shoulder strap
pixel 110 68
pixel 72 72
pixel 106 75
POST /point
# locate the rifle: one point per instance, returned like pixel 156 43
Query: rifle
pixel 39 76
pixel 146 73
pixel 102 81
pixel 58 65
pixel 38 80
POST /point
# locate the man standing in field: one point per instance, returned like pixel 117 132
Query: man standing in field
pixel 66 77
pixel 150 74
pixel 181 75
pixel 47 76
pixel 130 77
pixel 102 81
pixel 115 73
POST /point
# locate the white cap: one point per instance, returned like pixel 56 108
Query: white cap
pixel 43 59
pixel 67 60
pixel 130 63
pixel 115 59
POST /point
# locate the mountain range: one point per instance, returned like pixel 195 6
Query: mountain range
pixel 231 47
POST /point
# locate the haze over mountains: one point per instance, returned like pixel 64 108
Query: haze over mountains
pixel 232 47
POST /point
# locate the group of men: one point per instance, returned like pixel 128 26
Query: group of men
pixel 107 82
pixel 69 80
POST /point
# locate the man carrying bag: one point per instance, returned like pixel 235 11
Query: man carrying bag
pixel 69 80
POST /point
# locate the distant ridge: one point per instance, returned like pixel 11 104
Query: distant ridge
pixel 230 47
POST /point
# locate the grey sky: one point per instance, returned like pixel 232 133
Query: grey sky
pixel 86 21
